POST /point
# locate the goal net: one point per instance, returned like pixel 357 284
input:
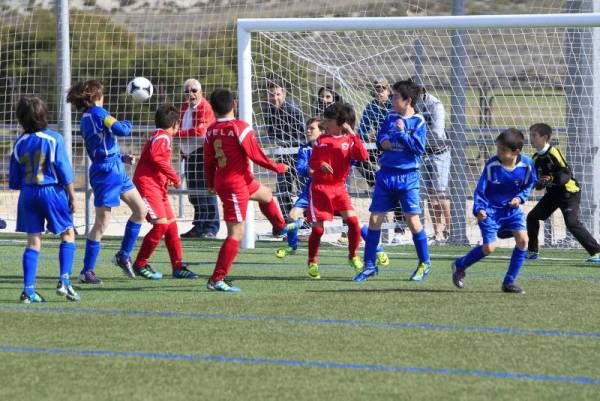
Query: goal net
pixel 488 72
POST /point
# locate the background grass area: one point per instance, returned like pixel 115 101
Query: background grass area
pixel 283 315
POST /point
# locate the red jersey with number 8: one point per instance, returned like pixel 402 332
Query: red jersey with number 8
pixel 229 147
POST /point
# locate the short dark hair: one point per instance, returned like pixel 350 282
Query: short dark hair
pixel 542 129
pixel 512 138
pixel 222 101
pixel 408 90
pixel 329 88
pixel 166 116
pixel 341 112
pixel 317 120
pixel 83 94
pixel 276 83
pixel 32 113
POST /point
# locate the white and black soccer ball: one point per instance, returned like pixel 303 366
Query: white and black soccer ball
pixel 140 89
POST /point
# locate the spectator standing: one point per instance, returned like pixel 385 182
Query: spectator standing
pixel 285 125
pixel 436 164
pixel 195 117
pixel 326 96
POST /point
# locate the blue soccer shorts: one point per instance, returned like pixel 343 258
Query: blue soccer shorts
pixel 302 201
pixel 43 204
pixel 501 220
pixel 109 180
pixel 393 188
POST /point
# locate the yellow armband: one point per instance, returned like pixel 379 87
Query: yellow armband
pixel 109 121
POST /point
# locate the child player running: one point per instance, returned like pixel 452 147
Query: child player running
pixel 402 139
pixel 314 129
pixel 503 187
pixel 330 164
pixel 152 177
pixel 230 146
pixel 108 177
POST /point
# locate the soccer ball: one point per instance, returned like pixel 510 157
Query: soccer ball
pixel 140 89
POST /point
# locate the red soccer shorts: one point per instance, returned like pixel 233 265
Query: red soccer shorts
pixel 325 201
pixel 158 206
pixel 235 198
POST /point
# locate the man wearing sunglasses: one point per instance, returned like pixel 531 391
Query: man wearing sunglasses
pixel 195 117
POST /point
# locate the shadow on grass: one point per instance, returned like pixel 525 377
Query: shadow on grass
pixel 413 290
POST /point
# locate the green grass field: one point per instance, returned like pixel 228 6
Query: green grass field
pixel 286 337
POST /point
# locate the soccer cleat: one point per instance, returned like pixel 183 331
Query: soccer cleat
pixel 284 251
pixel 458 276
pixel 31 299
pixel 67 291
pixel 594 258
pixel 356 263
pixel 124 262
pixel 512 288
pixel 183 272
pixel 313 271
pixel 421 272
pixel 89 278
pixel 221 285
pixel 147 272
pixel 366 273
pixel 536 255
pixel 383 259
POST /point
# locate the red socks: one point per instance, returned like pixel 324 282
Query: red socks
pixel 272 213
pixel 353 236
pixel 174 246
pixel 227 254
pixel 314 241
pixel 151 241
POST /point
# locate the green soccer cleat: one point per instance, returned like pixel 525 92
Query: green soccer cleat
pixel 356 263
pixel 147 272
pixel 313 271
pixel 67 291
pixel 284 251
pixel 421 272
pixel 383 259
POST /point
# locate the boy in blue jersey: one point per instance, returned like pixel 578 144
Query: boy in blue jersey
pixel 40 169
pixel 314 128
pixel 503 187
pixel 108 177
pixel 401 139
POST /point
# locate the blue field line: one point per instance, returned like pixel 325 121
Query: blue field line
pixel 288 319
pixel 306 364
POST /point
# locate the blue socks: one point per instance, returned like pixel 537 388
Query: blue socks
pixel 292 238
pixel 66 255
pixel 30 265
pixel 516 262
pixel 364 230
pixel 371 245
pixel 92 249
pixel 474 255
pixel 420 241
pixel 132 230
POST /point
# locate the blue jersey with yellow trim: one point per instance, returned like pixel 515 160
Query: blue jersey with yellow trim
pixel 498 185
pixel 39 158
pixel 407 145
pixel 99 130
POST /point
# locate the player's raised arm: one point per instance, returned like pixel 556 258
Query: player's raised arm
pixel 256 154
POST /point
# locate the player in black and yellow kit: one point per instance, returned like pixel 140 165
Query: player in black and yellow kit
pixel 562 191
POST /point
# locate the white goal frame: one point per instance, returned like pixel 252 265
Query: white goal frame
pixel 245 28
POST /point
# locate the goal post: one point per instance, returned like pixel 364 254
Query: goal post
pixel 288 41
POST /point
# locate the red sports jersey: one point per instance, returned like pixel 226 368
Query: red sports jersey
pixel 154 170
pixel 229 147
pixel 338 152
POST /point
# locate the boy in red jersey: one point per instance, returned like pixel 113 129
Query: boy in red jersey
pixel 153 175
pixel 230 146
pixel 330 164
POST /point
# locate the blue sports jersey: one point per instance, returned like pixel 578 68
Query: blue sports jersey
pixel 99 129
pixel 39 158
pixel 408 144
pixel 498 185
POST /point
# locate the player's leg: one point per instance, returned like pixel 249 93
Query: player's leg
pixel 66 256
pixel 570 210
pixel 314 242
pixel 382 257
pixel 353 224
pixel 489 229
pixel 372 240
pixel 296 215
pixel 31 256
pixel 227 253
pixel 173 242
pixel 542 211
pixel 133 199
pixel 269 207
pixel 92 246
pixel 516 262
